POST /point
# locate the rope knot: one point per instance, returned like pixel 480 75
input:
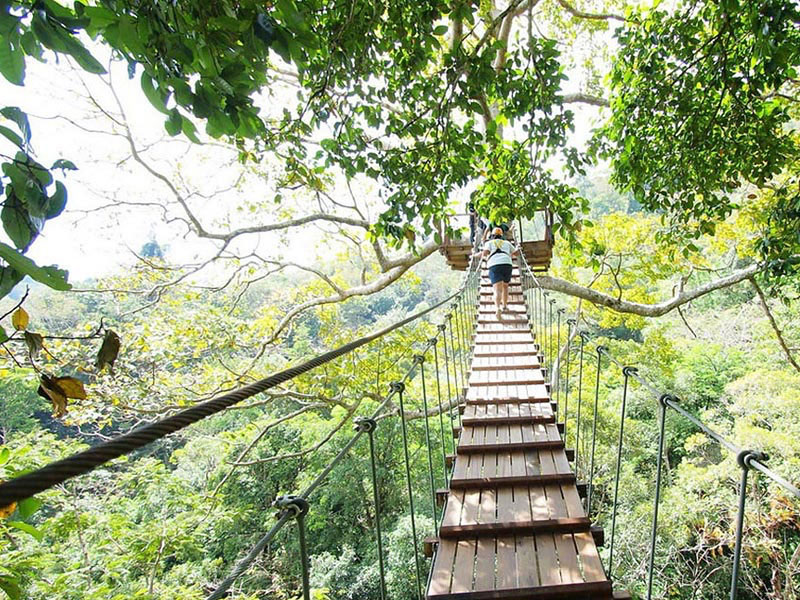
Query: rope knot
pixel 365 424
pixel 397 387
pixel 297 506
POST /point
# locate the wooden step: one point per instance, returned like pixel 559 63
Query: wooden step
pixel 508 437
pixel 506 377
pixel 507 412
pixel 503 392
pixel 509 419
pixel 486 568
pixel 518 467
pixel 529 527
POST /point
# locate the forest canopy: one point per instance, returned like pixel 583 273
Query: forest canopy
pixel 299 163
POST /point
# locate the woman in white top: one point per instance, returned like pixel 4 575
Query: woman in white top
pixel 500 264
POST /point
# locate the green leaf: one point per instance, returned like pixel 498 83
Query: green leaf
pixel 11 587
pixel 189 130
pixel 20 118
pixel 12 62
pixel 11 136
pixel 174 125
pixel 50 276
pixel 28 506
pixel 9 278
pixel 29 529
pixel 153 95
pixel 16 221
pixel 64 165
pixel 56 202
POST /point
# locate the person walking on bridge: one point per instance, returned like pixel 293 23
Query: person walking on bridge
pixel 499 252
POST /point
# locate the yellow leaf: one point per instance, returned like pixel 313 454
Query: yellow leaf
pixel 71 387
pixel 8 510
pixel 20 319
pixel 49 389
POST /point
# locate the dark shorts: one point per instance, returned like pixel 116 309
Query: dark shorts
pixel 500 273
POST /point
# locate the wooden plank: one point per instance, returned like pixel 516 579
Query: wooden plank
pixel 463 566
pixel 442 568
pixel 568 558
pixel 548 560
pixel 484 565
pixel 527 568
pixel 506 563
pixel 590 560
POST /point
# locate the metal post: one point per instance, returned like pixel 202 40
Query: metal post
pixel 368 426
pixel 743 458
pixel 297 506
pixel 454 361
pixel 583 336
pixel 659 460
pixel 570 323
pixel 399 387
pixel 443 330
pixel 433 342
pixel 557 365
pixel 550 341
pixel 600 350
pixel 627 372
pixel 420 360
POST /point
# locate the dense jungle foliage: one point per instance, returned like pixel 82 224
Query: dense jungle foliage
pixel 282 174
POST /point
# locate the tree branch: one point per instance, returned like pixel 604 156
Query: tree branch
pixel 646 310
pixel 778 333
pixel 579 14
pixel 581 98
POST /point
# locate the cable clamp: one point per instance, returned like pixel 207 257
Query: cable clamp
pixel 433 341
pixel 630 371
pixel 572 322
pixel 664 398
pixel 561 311
pixel 745 458
pixel 419 359
pixel 397 386
pixel 442 327
pixel 365 424
pixel 297 506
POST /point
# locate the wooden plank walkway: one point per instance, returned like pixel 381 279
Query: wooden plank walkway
pixel 514 525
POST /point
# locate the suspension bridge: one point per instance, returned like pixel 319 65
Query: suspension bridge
pixel 513 518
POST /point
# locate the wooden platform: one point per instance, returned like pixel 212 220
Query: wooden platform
pixel 514 526
pixel 457 253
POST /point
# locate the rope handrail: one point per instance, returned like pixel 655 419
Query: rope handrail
pixel 671 401
pixel 747 459
pixel 57 472
pixel 362 426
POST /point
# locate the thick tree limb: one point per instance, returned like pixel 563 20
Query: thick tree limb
pixel 580 98
pixel 775 328
pixel 646 310
pixel 592 16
